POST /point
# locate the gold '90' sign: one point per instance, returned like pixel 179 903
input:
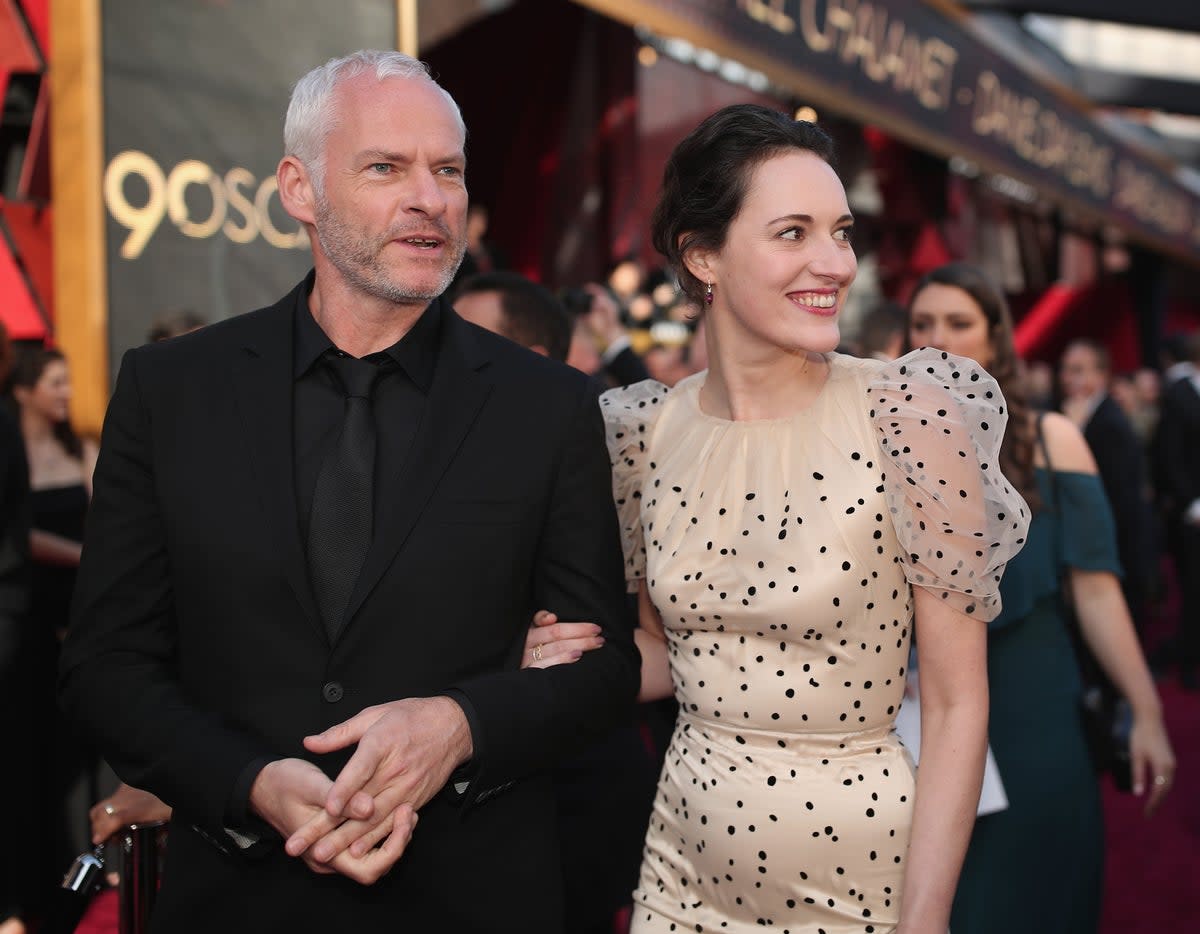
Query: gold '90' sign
pixel 240 203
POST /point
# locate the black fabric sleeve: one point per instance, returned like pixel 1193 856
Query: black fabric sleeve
pixel 530 718
pixel 118 680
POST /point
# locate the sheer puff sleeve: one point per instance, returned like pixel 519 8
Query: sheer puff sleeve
pixel 629 416
pixel 941 419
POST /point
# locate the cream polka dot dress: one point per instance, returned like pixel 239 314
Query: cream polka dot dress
pixel 781 555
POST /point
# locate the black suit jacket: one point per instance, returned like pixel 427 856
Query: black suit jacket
pixel 196 648
pixel 1177 448
pixel 1121 462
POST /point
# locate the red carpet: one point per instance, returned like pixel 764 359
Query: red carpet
pixel 1153 865
pixel 101 917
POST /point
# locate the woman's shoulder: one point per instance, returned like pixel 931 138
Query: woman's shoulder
pixel 922 365
pixel 1068 449
pixel 631 414
pixel 635 397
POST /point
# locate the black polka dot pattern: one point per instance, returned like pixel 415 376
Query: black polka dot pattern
pixel 771 549
pixel 941 419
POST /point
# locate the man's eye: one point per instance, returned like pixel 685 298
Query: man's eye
pixel 380 168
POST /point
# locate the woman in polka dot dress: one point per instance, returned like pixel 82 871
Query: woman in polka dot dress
pixel 786 515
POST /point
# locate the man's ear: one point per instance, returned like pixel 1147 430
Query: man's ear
pixel 296 192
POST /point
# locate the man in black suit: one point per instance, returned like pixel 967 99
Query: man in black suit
pixel 296 675
pixel 1177 456
pixel 1084 373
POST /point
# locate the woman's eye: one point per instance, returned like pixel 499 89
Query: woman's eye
pixel 845 234
pixel 792 233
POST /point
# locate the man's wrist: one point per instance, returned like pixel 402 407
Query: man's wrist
pixel 261 791
pixel 459 738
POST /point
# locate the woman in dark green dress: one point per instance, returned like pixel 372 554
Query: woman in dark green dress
pixel 1038 865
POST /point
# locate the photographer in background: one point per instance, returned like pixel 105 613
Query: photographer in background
pixel 600 344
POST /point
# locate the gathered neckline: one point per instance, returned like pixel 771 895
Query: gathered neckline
pixel 691 385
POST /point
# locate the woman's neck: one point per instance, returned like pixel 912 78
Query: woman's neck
pixel 759 381
pixel 35 426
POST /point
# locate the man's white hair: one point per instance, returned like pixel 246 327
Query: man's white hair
pixel 311 114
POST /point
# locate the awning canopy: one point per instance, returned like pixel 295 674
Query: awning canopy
pixel 918 70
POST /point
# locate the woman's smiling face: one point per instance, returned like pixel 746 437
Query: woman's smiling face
pixel 787 262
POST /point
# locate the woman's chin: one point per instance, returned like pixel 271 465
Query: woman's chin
pixel 822 339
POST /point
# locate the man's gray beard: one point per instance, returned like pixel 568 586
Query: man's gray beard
pixel 355 259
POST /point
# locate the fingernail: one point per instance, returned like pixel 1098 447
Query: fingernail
pixel 576 655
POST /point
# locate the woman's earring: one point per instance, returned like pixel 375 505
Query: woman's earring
pixel 708 294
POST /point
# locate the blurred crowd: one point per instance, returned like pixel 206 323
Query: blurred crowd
pixel 45 488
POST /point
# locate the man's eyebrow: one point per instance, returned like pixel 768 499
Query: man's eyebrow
pixel 380 155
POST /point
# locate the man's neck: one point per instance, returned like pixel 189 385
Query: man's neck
pixel 360 324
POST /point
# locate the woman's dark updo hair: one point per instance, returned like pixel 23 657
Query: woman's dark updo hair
pixel 1016 451
pixel 708 172
pixel 29 363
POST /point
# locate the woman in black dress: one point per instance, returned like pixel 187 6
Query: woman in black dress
pixel 60 477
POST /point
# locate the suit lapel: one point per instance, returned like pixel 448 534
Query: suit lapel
pixel 458 392
pixel 262 381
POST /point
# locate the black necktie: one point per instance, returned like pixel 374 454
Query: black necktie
pixel 339 531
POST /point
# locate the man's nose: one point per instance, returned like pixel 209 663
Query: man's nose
pixel 424 194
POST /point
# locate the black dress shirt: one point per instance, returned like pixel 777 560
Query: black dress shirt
pixel 398 403
pixel 318 403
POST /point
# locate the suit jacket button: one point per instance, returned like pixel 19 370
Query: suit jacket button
pixel 333 692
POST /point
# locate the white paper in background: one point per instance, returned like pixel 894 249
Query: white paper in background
pixel 908 725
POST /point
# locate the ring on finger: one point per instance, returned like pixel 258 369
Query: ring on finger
pixel 109 809
pixel 1160 779
pixel 537 652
